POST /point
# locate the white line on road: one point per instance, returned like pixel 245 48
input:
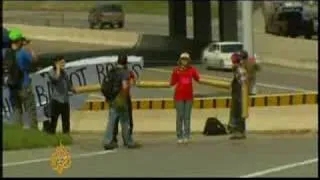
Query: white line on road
pixel 229 79
pixel 47 159
pixel 280 168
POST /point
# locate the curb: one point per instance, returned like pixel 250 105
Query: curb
pixel 262 132
pixel 215 102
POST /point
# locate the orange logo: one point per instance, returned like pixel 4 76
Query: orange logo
pixel 60 159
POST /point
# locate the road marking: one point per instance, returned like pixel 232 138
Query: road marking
pixel 229 79
pixel 280 168
pixel 48 159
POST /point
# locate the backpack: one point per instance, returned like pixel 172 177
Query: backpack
pixel 12 70
pixel 112 84
pixel 214 127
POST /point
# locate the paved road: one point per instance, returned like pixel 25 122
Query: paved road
pixel 272 79
pixel 268 156
pixel 146 24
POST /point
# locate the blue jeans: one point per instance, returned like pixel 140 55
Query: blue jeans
pixel 238 124
pixel 123 117
pixel 183 120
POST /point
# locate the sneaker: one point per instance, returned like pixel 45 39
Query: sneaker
pixel 180 141
pixel 237 136
pixel 242 136
pixel 186 140
pixel 134 145
pixel 110 146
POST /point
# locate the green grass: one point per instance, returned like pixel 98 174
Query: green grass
pixel 14 137
pixel 130 7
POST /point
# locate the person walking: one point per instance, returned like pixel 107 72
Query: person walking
pixel 59 103
pixel 239 98
pixel 19 81
pixel 181 78
pixel 124 60
pixel 115 89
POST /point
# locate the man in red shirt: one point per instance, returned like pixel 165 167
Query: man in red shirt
pixel 181 78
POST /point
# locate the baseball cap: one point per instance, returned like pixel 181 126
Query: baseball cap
pixel 235 58
pixel 185 56
pixel 15 34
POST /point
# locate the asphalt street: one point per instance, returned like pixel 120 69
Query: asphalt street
pixel 160 156
pixel 272 79
pixel 146 24
pixel 259 155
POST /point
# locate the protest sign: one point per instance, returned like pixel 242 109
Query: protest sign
pixel 82 72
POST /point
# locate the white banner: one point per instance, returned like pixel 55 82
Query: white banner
pixel 82 72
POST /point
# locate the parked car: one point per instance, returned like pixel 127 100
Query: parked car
pixel 106 14
pixel 288 19
pixel 218 54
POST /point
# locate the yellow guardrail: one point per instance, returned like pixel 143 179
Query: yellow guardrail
pixel 214 102
pixel 155 84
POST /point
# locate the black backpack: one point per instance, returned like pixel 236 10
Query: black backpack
pixel 112 84
pixel 214 127
pixel 12 70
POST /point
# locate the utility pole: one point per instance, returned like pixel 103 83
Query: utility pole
pixel 247 28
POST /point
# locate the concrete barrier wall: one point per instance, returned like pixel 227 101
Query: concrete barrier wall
pixel 290 52
pixel 216 102
pixel 109 38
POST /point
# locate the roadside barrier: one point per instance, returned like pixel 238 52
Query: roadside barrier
pixel 265 100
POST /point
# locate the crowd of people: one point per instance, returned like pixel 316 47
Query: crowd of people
pixel 243 84
pixel 19 58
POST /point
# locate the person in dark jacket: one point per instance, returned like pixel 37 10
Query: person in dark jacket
pixel 123 59
pixel 119 109
pixel 19 80
pixel 239 95
pixel 60 105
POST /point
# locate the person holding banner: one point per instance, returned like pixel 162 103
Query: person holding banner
pixel 181 78
pixel 123 59
pixel 115 88
pixel 19 81
pixel 252 68
pixel 239 97
pixel 59 103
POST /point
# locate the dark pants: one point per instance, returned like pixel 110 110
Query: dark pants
pixel 24 99
pixel 115 130
pixel 63 109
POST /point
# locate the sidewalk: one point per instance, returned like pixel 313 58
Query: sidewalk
pixel 288 119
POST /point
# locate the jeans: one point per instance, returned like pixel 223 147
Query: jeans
pixel 115 131
pixel 123 117
pixel 24 98
pixel 183 118
pixel 238 124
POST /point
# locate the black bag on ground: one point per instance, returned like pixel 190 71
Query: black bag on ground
pixel 12 70
pixel 214 127
pixel 111 84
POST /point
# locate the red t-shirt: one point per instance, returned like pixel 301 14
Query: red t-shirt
pixel 131 77
pixel 182 79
